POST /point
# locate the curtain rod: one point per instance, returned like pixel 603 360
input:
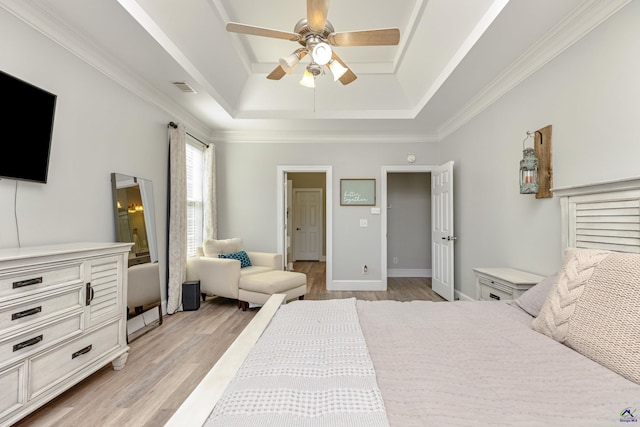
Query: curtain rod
pixel 175 126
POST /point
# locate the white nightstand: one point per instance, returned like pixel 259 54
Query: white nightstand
pixel 495 284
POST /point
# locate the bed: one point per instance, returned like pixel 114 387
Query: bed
pixel 567 352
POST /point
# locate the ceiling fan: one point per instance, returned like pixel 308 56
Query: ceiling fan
pixel 316 35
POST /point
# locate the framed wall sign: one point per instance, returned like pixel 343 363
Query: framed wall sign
pixel 358 192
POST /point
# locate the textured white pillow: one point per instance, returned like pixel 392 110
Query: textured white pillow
pixel 594 309
pixel 212 247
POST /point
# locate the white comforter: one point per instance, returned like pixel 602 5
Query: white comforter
pixel 374 363
pixel 480 363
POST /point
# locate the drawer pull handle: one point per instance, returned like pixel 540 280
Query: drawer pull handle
pixel 494 296
pixel 29 282
pixel 26 313
pixel 85 350
pixel 27 343
pixel 88 294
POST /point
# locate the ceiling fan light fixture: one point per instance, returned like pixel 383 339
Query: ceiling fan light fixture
pixel 337 69
pixel 321 53
pixel 288 63
pixel 308 79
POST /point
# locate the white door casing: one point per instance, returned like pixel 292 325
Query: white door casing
pixel 288 221
pixel 442 237
pixel 307 224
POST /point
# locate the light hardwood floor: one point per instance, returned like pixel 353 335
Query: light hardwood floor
pixel 166 364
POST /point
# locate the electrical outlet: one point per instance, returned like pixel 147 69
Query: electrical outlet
pixel 365 269
pixel 395 259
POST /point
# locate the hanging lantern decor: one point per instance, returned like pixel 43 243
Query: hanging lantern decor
pixel 528 170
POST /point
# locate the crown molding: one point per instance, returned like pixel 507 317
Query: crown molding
pixel 303 137
pixel 579 23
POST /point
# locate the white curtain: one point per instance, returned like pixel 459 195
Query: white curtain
pixel 210 204
pixel 177 256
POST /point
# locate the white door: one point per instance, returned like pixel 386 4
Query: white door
pixel 307 223
pixel 442 237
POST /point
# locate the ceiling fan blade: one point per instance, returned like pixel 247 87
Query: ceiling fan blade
pixel 277 73
pixel 381 37
pixel 347 77
pixel 234 27
pixel 317 14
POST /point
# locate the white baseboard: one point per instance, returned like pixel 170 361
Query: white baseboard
pixel 409 272
pixel 356 285
pixel 462 297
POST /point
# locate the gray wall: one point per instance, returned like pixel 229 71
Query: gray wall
pixel 408 222
pixel 247 183
pixel 99 128
pixel 590 94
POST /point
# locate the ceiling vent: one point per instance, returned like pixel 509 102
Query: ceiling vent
pixel 184 87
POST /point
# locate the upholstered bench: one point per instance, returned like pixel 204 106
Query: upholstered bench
pixel 257 288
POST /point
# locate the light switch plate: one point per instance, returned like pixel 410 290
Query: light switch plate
pixel 375 211
pixel 363 223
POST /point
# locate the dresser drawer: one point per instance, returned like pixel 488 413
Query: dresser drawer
pixel 11 389
pixel 39 278
pixel 491 293
pixel 42 337
pixel 40 306
pixel 58 364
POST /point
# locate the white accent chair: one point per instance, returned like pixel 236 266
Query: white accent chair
pixel 254 284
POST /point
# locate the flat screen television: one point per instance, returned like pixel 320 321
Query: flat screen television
pixel 28 113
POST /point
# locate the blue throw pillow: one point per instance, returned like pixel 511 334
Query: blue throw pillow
pixel 240 256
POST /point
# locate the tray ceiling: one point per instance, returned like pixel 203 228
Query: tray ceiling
pixel 451 59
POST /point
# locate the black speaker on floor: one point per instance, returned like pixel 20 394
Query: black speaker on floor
pixel 191 295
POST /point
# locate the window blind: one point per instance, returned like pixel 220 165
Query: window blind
pixel 195 198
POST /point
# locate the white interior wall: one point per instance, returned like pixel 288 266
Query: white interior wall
pixel 590 94
pixel 99 128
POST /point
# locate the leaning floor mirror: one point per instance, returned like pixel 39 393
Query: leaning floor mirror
pixel 135 223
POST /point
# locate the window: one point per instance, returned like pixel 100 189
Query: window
pixel 195 196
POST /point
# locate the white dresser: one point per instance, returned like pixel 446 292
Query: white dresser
pixel 62 317
pixel 495 284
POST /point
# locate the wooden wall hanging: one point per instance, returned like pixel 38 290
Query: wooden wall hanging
pixel 542 150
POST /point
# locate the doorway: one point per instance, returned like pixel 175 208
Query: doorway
pixel 307 216
pixel 441 223
pixel 409 224
pixel 305 203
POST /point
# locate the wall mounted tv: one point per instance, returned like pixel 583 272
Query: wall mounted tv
pixel 27 129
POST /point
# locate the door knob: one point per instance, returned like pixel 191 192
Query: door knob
pixel 298 228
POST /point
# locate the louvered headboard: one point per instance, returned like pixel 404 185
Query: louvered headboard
pixel 601 216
